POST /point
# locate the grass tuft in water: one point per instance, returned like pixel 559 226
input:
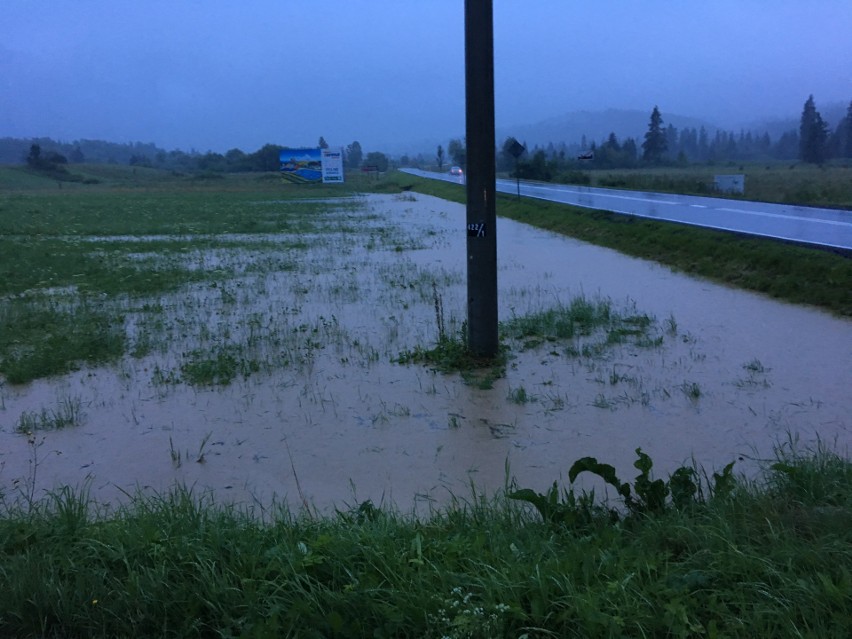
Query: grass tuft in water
pixel 67 413
pixel 520 396
pixel 580 320
pixel 451 355
pixel 691 390
pixel 580 317
pixel 755 367
pixel 217 368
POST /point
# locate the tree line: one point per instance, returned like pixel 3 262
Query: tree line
pixel 665 145
pixel 47 155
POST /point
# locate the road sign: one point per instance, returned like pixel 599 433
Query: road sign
pixel 516 149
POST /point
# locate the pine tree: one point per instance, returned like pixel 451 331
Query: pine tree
pixel 846 140
pixel 813 133
pixel 654 145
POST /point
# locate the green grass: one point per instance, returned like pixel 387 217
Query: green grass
pixel 589 326
pixel 177 212
pixel 783 271
pixel 99 177
pixel 768 558
pixel 451 355
pixel 583 318
pixel 219 368
pixel 802 184
pixel 39 340
pixel 35 262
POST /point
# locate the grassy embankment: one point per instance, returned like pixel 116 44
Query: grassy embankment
pixel 767 559
pixel 796 274
pixel 802 184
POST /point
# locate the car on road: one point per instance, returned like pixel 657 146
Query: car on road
pixel 456 170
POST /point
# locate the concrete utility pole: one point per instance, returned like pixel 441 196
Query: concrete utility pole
pixel 481 179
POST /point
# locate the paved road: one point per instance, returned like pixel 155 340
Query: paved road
pixel 808 225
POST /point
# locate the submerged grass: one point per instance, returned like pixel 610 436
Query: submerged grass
pixel 583 318
pixel 75 262
pixel 135 236
pixel 590 326
pixel 109 267
pixel 767 558
pixel 452 355
pixel 219 368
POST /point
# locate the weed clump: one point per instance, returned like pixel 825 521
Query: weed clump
pixel 451 353
pixel 648 496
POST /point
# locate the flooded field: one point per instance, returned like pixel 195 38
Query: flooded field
pixel 280 380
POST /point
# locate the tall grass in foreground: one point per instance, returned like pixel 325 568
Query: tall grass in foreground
pixel 764 559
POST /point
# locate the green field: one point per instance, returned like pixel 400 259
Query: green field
pixel 803 184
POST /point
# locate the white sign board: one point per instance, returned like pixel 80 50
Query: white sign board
pixel 332 165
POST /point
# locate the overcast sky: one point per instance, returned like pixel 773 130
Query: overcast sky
pixel 219 74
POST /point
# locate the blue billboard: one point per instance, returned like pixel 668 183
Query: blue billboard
pixel 301 165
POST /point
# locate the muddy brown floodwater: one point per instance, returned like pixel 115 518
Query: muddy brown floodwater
pixel 736 375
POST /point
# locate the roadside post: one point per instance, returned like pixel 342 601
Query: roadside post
pixel 481 179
